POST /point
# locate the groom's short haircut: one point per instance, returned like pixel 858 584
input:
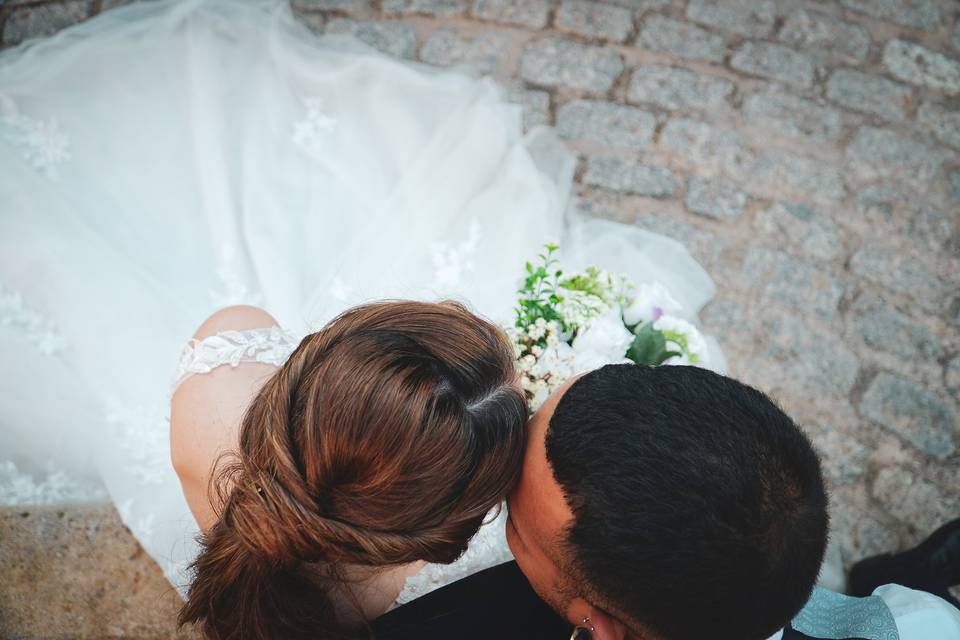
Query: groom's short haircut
pixel 699 506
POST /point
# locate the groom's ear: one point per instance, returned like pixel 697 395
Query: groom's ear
pixel 606 627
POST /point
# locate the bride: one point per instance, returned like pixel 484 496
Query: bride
pixel 379 444
pixel 168 159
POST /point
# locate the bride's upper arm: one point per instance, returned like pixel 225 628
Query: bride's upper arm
pixel 206 410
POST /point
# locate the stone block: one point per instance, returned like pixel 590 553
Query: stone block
pixel 781 173
pixel 911 412
pixel 678 88
pixel 869 94
pixel 446 47
pixel 921 66
pixel 681 39
pixel 885 329
pixel 37 21
pixel 76 572
pixel 916 14
pixel 532 14
pixel 792 282
pixel 554 62
pixel 792 116
pixel 606 123
pixel 435 8
pixel 913 500
pixel 630 176
pixel 877 153
pixel 715 198
pixel 536 106
pixel 940 122
pixel 594 20
pixel 796 226
pixel 774 61
pixel 811 363
pixel 751 18
pixel 705 146
pixel 826 36
pixel 901 273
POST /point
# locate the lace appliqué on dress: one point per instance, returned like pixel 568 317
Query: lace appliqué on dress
pixel 44 145
pixel 270 345
pixel 53 487
pixel 487 548
pixel 309 132
pixel 452 263
pixel 36 329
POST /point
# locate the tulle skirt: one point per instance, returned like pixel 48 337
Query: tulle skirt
pixel 169 158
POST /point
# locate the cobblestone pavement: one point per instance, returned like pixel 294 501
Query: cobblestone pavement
pixel 807 152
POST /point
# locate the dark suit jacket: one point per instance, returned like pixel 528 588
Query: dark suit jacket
pixel 496 604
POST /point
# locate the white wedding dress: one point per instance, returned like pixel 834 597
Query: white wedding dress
pixel 169 158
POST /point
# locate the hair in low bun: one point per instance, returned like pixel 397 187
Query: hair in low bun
pixel 384 439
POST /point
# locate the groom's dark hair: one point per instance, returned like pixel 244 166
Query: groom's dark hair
pixel 699 506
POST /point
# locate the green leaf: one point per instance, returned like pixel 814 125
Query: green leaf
pixel 649 347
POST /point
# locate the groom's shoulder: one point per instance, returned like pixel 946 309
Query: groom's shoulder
pixel 497 603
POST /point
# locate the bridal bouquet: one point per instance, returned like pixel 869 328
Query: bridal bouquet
pixel 567 323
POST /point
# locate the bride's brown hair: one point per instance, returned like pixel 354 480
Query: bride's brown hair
pixel 384 439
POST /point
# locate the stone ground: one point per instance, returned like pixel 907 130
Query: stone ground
pixel 807 152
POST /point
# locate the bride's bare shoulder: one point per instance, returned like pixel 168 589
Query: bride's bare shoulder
pixel 206 410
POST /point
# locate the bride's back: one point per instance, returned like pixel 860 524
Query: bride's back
pixel 383 440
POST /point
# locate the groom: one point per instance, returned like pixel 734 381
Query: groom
pixel 665 503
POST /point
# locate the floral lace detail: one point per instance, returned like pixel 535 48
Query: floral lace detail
pixel 144 436
pixel 309 132
pixel 452 263
pixel 53 487
pixel 35 328
pixel 487 548
pixel 44 145
pixel 234 290
pixel 270 345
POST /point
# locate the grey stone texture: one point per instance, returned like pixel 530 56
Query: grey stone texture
pixel 942 123
pixel 826 36
pixel 25 23
pixel 911 412
pixel 483 52
pixel 774 61
pixel 536 106
pixel 921 66
pixel 884 328
pixel 554 62
pixel 801 231
pixel 801 176
pixel 606 123
pixel 788 281
pixel 751 18
pixel 869 93
pixel 698 144
pixel 790 115
pixel 715 198
pixel 594 20
pixel 805 152
pixel 677 88
pixel 630 176
pixel 681 39
pixel 901 273
pixel 882 153
pixel 532 14
pixel 393 38
pixel 438 8
pixel 918 14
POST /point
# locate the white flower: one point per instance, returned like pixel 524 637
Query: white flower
pixel 604 341
pixel 696 347
pixel 651 301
